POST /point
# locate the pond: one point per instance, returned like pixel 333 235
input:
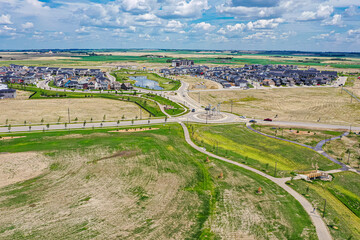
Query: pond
pixel 144 82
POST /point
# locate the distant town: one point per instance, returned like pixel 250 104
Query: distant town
pixel 95 79
pixel 266 75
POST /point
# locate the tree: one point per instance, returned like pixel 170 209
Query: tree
pixel 118 122
pixel 84 123
pixel 9 127
pixel 42 121
pixel 65 125
pixel 47 126
pixel 132 121
pixel 76 119
pixel 7 121
pixel 91 119
pixel 58 119
pixel 101 124
pixel 25 123
pixel 104 117
pixel 123 117
pixel 136 117
pixel 165 118
pixel 29 128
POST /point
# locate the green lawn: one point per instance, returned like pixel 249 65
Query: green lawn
pixel 238 143
pixel 342 202
pixel 161 188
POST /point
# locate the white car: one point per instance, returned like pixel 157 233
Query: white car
pixel 243 117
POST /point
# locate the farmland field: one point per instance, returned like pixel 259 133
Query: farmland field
pixel 50 110
pixel 342 203
pixel 148 185
pixel 238 143
pixel 329 105
pixel 141 58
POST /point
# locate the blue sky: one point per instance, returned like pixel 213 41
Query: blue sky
pixel 309 25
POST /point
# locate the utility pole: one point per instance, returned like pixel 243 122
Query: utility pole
pixel 199 98
pixel 69 114
pixel 275 169
pixel 140 114
pixel 324 208
pixel 231 101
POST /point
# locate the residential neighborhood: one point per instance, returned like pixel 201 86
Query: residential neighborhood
pixel 265 75
pixel 75 78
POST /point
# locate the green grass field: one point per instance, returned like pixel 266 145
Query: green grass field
pixel 342 202
pixel 238 143
pixel 151 184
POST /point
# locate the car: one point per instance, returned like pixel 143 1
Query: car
pixel 193 110
pixel 252 121
pixel 243 117
pixel 268 119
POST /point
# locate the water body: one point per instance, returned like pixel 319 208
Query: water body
pixel 144 82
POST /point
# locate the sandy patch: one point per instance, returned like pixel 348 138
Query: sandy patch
pixel 16 167
pixel 135 130
pixel 8 138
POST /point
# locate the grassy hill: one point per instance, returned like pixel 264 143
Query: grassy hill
pixel 137 185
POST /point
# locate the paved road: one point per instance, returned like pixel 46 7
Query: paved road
pixel 321 228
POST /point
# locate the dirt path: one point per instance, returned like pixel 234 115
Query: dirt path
pixel 321 228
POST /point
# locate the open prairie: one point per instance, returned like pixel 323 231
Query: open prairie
pixel 50 110
pixel 139 185
pixel 328 105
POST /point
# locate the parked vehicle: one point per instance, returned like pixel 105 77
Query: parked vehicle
pixel 193 110
pixel 243 117
pixel 252 121
pixel 268 119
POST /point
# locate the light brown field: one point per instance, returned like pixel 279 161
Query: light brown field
pixel 16 167
pixel 33 111
pixel 356 88
pixel 193 82
pixel 291 104
pixel 337 149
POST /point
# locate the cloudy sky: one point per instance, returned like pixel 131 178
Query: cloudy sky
pixel 311 25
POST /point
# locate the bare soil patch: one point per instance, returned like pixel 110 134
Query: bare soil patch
pixel 134 130
pixel 8 138
pixel 17 167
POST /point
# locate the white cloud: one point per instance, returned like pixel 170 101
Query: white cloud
pixel 265 23
pixel 352 11
pixel 184 9
pixel 236 27
pixel 5 19
pixel 27 25
pixel 323 35
pixel 335 21
pixel 323 12
pixel 204 26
